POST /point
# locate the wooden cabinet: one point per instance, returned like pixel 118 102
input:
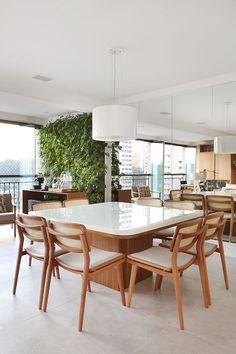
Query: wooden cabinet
pixel 207 162
pixel 121 195
pixel 40 195
pixel 220 164
pixel 223 166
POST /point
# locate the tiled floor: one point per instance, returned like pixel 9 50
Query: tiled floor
pixel 150 326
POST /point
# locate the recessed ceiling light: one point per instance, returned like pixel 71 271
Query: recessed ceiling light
pixel 165 113
pixel 201 123
pixel 42 78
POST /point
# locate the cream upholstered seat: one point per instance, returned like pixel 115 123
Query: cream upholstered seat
pixel 75 202
pixel 98 258
pixel 222 204
pixel 155 202
pixel 7 211
pixel 82 259
pixel 37 250
pixel 34 229
pixel 157 256
pixel 171 262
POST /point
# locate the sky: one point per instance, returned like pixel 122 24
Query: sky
pixel 17 142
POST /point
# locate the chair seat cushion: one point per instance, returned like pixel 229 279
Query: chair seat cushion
pixel 6 217
pixel 37 250
pixel 98 258
pixel 160 257
pixel 229 215
pixel 208 248
pixel 169 232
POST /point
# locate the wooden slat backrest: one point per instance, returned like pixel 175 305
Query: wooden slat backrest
pixel 68 236
pixel 33 227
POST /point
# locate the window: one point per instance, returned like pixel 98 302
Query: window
pixel 17 159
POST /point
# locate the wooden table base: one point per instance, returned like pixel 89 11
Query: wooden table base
pixel 123 245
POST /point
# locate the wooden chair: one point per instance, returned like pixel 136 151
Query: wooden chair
pixel 170 262
pixel 215 228
pixel 81 259
pixel 150 202
pixel 143 193
pixel 34 229
pixel 75 202
pixel 7 211
pixel 47 205
pixel 168 233
pixel 222 204
pixel 197 199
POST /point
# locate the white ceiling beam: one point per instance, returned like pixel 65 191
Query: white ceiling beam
pixel 174 90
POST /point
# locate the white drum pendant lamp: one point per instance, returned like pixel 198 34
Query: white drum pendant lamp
pixel 114 122
pixel 225 144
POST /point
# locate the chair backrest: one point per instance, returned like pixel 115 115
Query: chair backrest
pixel 197 199
pixel 47 205
pixel 150 202
pixel 144 191
pixel 186 235
pixel 6 203
pixel 220 203
pixel 33 227
pixel 215 223
pixel 68 236
pixel 175 194
pixel 75 202
pixel 182 205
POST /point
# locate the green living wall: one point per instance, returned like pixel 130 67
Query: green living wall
pixel 67 145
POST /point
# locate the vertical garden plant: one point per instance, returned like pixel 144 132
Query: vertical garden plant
pixel 67 145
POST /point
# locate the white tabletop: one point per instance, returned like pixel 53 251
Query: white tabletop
pixel 121 219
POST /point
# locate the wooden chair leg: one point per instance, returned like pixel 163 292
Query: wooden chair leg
pixel 30 258
pixel 158 282
pixel 89 287
pixel 57 271
pixel 82 301
pixel 222 257
pixel 178 299
pixel 205 286
pixel 14 226
pixel 133 275
pixel 231 230
pixel 18 262
pixel 43 279
pixel 47 287
pixel 53 272
pixel 120 279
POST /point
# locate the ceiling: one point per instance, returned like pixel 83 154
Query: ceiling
pixel 178 64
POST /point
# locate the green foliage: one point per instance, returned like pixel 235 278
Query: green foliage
pixel 67 145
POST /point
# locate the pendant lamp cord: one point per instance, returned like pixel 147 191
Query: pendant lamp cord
pixel 114 76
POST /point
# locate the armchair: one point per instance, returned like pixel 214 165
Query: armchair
pixel 7 211
pixel 142 192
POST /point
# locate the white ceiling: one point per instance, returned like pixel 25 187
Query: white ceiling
pixel 180 48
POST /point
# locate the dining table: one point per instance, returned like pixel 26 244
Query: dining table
pixel 120 227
